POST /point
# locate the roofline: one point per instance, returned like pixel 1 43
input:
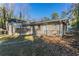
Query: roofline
pixel 45 22
pixel 39 22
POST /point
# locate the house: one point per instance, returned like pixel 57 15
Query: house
pixel 38 28
pixel 52 27
pixel 14 26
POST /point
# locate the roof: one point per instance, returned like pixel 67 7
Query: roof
pixel 45 22
pixel 16 20
pixel 25 23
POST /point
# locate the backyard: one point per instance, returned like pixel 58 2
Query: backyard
pixel 45 45
pixel 39 29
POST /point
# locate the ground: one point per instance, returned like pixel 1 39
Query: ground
pixel 43 46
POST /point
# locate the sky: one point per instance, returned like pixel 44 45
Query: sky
pixel 40 10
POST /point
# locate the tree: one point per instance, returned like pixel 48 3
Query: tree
pixel 10 10
pixel 23 11
pixel 45 19
pixel 3 12
pixel 64 14
pixel 55 16
pixel 75 14
pixel 6 14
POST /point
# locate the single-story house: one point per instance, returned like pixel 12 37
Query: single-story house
pixel 52 27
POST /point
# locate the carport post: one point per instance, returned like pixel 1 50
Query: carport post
pixel 34 32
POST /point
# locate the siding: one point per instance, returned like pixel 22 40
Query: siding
pixel 49 30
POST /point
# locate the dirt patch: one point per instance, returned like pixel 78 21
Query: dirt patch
pixel 59 41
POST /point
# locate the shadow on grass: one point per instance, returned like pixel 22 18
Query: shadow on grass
pixel 38 47
pixel 76 41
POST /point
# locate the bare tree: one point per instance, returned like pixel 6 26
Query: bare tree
pixel 6 14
